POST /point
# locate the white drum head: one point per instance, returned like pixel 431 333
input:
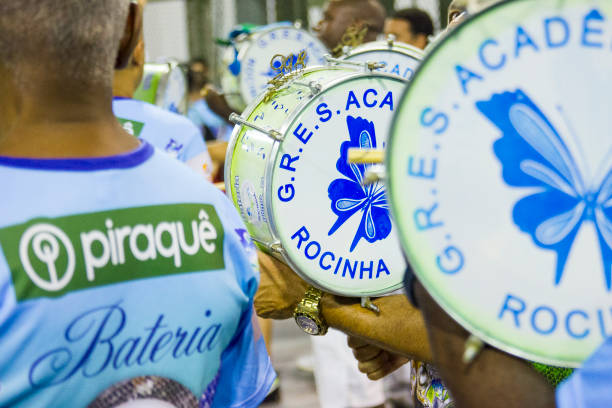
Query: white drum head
pixel 255 70
pixel 500 166
pixel 335 232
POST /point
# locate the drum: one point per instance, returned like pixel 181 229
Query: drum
pixel 500 177
pixel 246 65
pixel 288 176
pixel 164 85
pixel 399 58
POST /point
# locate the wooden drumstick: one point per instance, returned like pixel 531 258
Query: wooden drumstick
pixel 366 156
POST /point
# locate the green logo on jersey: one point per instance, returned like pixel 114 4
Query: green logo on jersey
pixel 133 127
pixel 52 257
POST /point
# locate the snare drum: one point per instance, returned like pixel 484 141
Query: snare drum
pixel 164 85
pixel 246 65
pixel 500 164
pixel 400 59
pixel 292 184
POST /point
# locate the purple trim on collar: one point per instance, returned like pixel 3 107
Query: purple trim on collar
pixel 121 98
pixel 121 161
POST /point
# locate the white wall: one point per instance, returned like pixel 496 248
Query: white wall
pixel 165 30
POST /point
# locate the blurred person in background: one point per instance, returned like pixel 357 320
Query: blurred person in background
pixel 340 15
pixel 412 26
pixel 168 131
pixel 213 126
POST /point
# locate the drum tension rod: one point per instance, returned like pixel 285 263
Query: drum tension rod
pixel 366 303
pixel 314 86
pixel 390 40
pixel 239 120
pixel 368 65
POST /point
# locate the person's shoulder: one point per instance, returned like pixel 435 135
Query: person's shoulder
pixel 153 114
pixel 170 118
pixel 185 178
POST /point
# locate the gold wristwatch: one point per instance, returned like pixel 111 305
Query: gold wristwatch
pixel 307 313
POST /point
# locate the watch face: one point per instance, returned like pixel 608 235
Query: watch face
pixel 307 324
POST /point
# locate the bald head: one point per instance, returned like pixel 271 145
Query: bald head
pixel 72 39
pixel 339 15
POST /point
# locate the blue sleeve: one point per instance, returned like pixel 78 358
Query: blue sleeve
pixel 196 144
pixel 590 385
pixel 246 373
pixel 202 115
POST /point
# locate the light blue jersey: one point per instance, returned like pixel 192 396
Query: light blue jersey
pixel 165 130
pixel 119 283
pixel 201 115
pixel 591 385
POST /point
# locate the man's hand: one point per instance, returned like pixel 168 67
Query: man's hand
pixel 375 362
pixel 280 289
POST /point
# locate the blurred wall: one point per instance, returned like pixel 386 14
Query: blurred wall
pixel 182 29
pixel 165 30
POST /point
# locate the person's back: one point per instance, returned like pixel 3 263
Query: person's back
pixel 110 271
pixel 123 276
pixel 168 131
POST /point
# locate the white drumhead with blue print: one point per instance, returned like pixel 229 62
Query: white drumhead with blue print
pixel 500 166
pixel 335 231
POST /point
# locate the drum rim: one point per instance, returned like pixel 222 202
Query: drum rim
pixel 429 57
pixel 382 45
pixel 271 165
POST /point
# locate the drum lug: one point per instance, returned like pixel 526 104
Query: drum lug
pixel 239 120
pixel 390 40
pixel 368 65
pixel 277 248
pixel 314 86
pixel 473 347
pixel 366 303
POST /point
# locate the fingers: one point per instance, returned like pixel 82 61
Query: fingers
pixel 354 342
pixel 366 353
pixel 376 368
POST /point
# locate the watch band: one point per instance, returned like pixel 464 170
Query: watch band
pixel 307 313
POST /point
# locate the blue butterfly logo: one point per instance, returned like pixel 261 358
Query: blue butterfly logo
pixel 349 197
pixel 533 155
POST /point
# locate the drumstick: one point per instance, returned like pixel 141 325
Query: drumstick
pixel 365 156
